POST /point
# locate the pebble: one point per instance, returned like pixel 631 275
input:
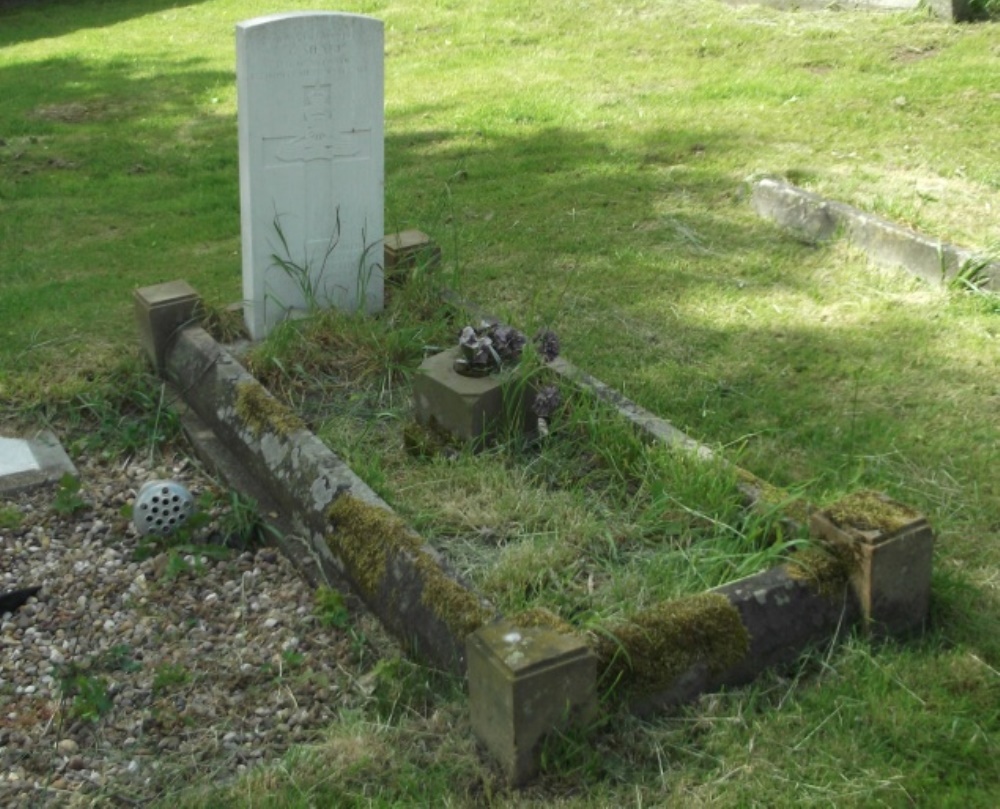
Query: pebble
pixel 173 658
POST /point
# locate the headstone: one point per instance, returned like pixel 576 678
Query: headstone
pixel 311 131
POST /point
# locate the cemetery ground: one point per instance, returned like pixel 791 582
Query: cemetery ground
pixel 581 172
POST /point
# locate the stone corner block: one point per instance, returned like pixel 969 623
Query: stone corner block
pixel 523 684
pixel 161 311
pixel 408 249
pixel 891 548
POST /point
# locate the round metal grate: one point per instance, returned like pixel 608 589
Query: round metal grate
pixel 161 507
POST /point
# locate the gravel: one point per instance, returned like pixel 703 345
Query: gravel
pixel 127 678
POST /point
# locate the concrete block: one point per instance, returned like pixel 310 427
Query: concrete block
pixel 160 312
pixel 891 549
pixel 523 684
pixel 408 249
pixel 468 408
pixel 26 463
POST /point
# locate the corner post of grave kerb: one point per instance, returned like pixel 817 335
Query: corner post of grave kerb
pixel 161 311
pixel 890 550
pixel 525 683
pixel 408 250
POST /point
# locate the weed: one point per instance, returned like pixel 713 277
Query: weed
pixel 84 692
pixel 308 279
pixel 168 676
pixel 179 563
pixel 10 517
pixel 241 524
pixel 331 608
pixel 68 500
pixel 118 658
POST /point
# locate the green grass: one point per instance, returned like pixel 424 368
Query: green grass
pixel 583 168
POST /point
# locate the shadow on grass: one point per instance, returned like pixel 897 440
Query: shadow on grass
pixel 111 177
pixel 26 20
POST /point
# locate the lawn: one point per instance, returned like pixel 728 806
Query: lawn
pixel 584 167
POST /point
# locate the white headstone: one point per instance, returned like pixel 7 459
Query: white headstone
pixel 311 132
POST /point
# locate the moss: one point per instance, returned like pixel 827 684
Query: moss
pixel 766 495
pixel 871 511
pixel 650 651
pixel 362 537
pixel 462 612
pixel 541 617
pixel 826 568
pixel 261 412
pixel 428 442
pixel 365 537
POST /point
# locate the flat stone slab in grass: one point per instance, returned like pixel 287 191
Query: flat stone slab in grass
pixel 29 462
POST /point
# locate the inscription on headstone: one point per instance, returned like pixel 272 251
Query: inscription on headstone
pixel 311 131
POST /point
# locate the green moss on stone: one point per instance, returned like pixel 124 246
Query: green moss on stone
pixel 651 650
pixel 366 537
pixel 541 617
pixel 871 511
pixel 262 413
pixel 462 612
pixel 827 569
pixel 767 495
pixel 426 443
pixel 362 537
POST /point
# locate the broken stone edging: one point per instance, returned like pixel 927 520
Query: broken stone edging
pixel 817 219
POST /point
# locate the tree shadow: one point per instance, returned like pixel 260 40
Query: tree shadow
pixel 26 20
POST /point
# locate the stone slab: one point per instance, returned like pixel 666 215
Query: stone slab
pixel 816 219
pixel 26 463
pixel 310 89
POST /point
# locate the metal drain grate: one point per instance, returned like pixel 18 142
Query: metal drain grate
pixel 161 507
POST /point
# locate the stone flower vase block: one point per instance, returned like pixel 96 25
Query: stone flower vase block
pixel 891 549
pixel 468 408
pixel 523 684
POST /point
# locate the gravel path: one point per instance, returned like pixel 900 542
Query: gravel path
pixel 121 682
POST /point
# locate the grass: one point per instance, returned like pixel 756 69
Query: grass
pixel 582 171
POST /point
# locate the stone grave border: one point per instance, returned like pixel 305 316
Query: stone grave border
pixel 816 219
pixel 949 10
pixel 529 679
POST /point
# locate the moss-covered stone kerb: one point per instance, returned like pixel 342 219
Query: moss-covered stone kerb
pixel 827 569
pixel 865 511
pixel 391 565
pixel 649 652
pixel 262 413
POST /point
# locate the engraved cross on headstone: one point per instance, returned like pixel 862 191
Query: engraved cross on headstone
pixel 315 149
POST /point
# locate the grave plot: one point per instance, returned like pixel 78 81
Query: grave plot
pixel 616 544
